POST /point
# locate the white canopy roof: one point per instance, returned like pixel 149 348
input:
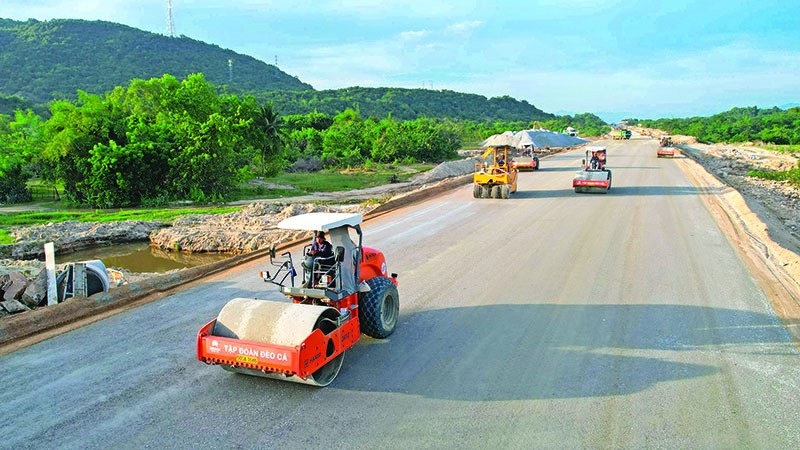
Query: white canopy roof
pixel 319 221
pixel 595 148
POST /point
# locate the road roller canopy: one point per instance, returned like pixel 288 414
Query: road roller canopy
pixel 595 148
pixel 320 221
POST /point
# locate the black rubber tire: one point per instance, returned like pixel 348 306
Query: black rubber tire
pixel 476 191
pixel 496 191
pixel 505 191
pixel 486 191
pixel 379 309
pixel 537 164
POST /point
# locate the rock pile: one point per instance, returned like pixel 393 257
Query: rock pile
pixel 23 286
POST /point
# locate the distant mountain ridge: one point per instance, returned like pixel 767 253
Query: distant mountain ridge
pixel 406 104
pixel 42 60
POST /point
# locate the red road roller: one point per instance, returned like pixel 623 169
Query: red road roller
pixel 343 294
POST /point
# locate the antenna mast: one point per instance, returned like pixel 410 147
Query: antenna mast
pixel 170 22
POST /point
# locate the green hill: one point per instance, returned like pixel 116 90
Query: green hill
pixel 44 60
pixel 40 61
pixel 406 104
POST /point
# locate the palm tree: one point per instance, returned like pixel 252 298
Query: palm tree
pixel 271 125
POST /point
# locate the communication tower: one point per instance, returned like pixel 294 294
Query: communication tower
pixel 170 22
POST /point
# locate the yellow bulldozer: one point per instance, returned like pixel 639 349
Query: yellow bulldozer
pixel 495 177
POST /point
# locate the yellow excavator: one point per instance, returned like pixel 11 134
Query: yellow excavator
pixel 495 177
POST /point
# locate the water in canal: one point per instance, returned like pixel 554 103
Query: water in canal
pixel 140 257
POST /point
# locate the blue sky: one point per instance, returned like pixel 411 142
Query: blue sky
pixel 617 59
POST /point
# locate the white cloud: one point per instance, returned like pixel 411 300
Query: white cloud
pixel 412 35
pixel 465 27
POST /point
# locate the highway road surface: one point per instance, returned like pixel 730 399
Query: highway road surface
pixel 551 319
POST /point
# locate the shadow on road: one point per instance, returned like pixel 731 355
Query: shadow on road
pixel 513 352
pixel 558 169
pixel 662 190
pixel 617 191
pixel 543 193
pixel 635 167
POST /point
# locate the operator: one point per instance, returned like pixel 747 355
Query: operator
pixel 320 248
pixel 595 161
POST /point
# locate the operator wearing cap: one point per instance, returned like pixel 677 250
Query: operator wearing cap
pixel 321 249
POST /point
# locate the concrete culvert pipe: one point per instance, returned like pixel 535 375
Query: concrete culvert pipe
pixel 279 323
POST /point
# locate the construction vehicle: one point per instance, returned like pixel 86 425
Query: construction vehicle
pixel 570 131
pixel 665 147
pixel 620 133
pixel 594 177
pixel 304 340
pixel 495 177
pixel 526 160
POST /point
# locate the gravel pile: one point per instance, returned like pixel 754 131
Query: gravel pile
pixel 447 170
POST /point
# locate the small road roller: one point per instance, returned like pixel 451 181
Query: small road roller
pixel 526 160
pixel 665 147
pixel 594 177
pixel 342 296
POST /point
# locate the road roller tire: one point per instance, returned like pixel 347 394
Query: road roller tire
pixel 496 191
pixel 505 191
pixel 486 191
pixel 476 190
pixel 379 308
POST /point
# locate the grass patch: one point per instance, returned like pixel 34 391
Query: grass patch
pixel 787 149
pixel 791 175
pixel 5 238
pixel 329 181
pixel 27 218
pixel 332 181
pixel 303 183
